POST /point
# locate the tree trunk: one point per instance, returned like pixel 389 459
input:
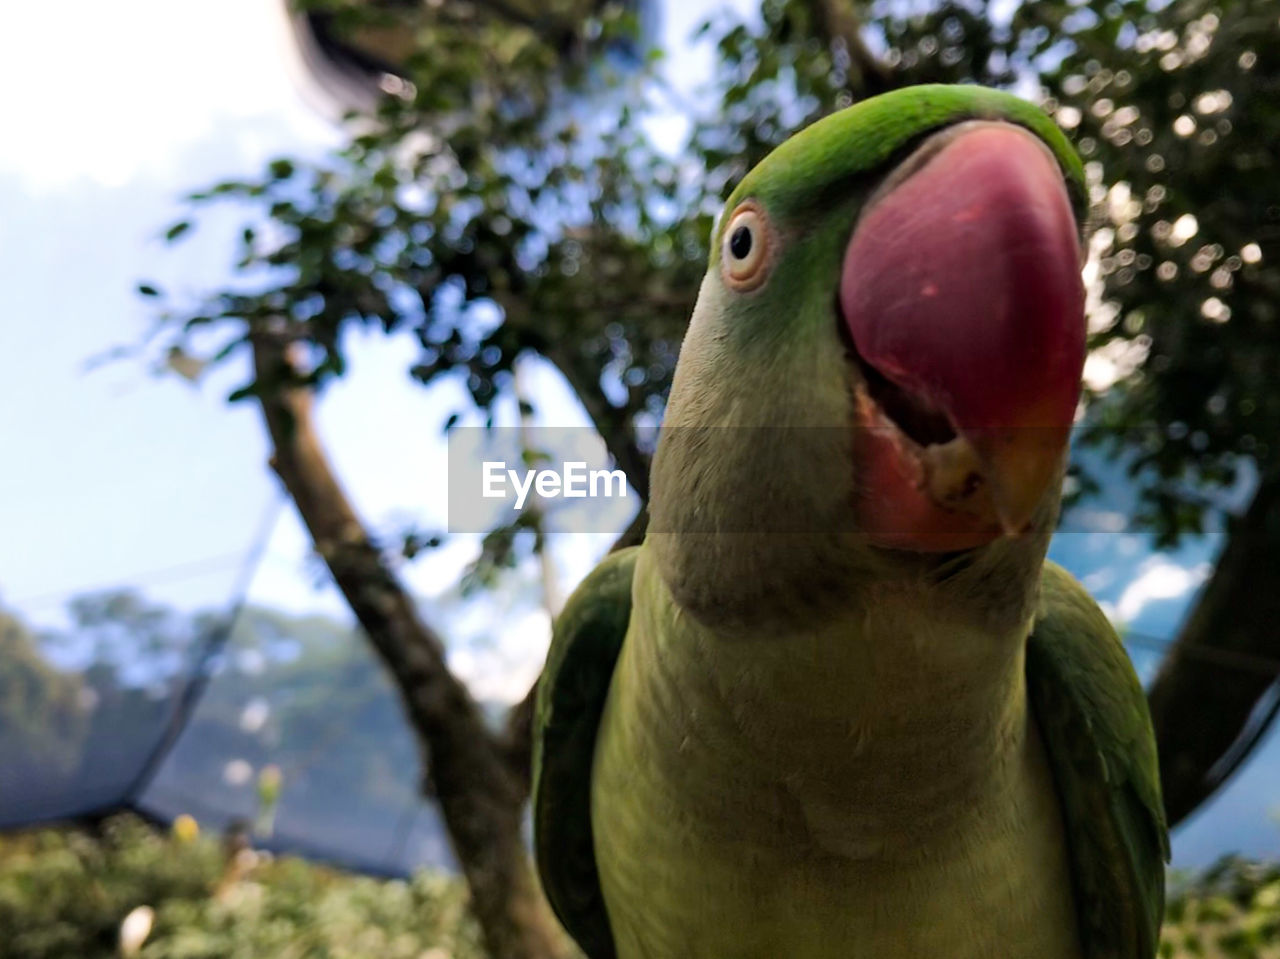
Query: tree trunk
pixel 1209 688
pixel 468 770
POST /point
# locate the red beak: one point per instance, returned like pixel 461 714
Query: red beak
pixel 962 295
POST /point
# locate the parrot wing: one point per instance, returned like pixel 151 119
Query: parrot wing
pixel 1092 715
pixel 571 696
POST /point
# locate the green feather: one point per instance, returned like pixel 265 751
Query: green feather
pixel 571 697
pixel 1093 716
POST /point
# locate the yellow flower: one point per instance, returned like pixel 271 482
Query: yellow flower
pixel 185 828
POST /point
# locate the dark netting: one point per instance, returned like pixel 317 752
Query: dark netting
pixel 302 698
pixel 242 695
pixel 268 711
pixel 93 698
pixel 70 744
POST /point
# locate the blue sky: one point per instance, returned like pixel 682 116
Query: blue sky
pixel 122 476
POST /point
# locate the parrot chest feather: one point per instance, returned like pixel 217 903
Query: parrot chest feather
pixel 835 801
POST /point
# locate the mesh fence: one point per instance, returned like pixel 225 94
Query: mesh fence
pixel 279 718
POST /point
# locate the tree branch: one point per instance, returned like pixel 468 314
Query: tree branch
pixel 1202 706
pixel 465 766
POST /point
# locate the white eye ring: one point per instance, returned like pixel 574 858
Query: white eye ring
pixel 746 254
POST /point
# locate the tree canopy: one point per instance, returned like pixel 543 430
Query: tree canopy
pixel 506 200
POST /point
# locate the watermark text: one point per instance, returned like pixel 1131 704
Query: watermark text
pixel 573 480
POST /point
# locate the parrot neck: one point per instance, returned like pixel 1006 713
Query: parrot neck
pixel 891 724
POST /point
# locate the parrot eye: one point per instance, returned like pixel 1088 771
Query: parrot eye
pixel 745 257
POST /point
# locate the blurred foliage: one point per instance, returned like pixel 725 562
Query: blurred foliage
pixel 64 894
pixel 1176 106
pixel 1232 911
pixel 506 199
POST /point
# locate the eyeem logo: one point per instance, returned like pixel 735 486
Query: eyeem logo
pixel 573 480
pixel 500 475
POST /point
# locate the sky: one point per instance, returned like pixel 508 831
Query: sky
pixel 119 475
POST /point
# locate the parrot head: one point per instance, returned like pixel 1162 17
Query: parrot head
pixel 886 355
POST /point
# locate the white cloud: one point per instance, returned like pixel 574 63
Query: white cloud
pixel 1158 578
pixel 1099 579
pixel 1099 520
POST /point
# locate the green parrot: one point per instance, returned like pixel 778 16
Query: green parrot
pixel 838 704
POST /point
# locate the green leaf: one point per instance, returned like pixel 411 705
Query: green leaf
pixel 177 230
